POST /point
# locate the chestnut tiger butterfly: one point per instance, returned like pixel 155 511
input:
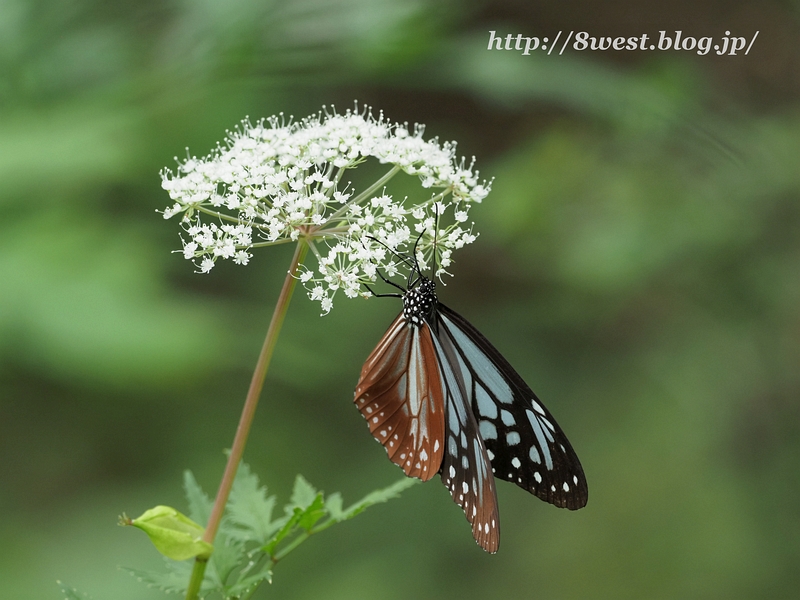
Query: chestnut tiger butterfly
pixel 442 399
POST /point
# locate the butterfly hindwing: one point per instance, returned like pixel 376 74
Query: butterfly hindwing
pixel 400 395
pixel 466 471
pixel 523 441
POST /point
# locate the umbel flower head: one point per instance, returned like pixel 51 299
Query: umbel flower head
pixel 281 180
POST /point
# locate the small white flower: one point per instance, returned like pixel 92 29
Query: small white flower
pixel 280 179
pixel 317 293
pixel 242 257
pixel 189 250
pixel 206 265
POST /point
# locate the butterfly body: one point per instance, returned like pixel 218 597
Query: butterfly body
pixel 441 399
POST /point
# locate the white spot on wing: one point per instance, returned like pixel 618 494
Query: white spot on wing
pixel 540 436
pixel 486 406
pixel 512 438
pixel 488 430
pixel 452 421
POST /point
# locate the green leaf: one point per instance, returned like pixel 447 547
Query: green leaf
pixel 70 593
pixel 171 581
pixel 250 510
pixel 378 496
pixel 228 554
pixel 173 534
pixel 313 513
pixel 248 583
pixel 303 493
pixel 304 518
pixel 287 528
pixel 199 503
pixel 249 541
pixel 334 506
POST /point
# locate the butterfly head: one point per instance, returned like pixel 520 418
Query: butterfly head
pixel 419 302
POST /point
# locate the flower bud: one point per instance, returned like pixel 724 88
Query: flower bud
pixel 173 534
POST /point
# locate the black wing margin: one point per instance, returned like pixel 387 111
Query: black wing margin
pixel 523 442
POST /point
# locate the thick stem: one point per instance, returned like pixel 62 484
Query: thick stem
pixel 196 580
pixel 248 412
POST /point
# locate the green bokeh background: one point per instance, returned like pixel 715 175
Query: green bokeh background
pixel 639 263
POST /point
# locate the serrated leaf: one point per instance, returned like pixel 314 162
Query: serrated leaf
pixel 303 494
pixel 171 581
pixel 303 518
pixel 378 496
pixel 313 513
pixel 287 528
pixel 249 509
pixel 199 503
pixel 228 554
pixel 334 506
pixel 70 593
pixel 248 583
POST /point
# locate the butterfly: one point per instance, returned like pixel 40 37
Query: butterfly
pixel 442 400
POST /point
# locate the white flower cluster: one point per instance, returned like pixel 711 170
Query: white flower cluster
pixel 278 181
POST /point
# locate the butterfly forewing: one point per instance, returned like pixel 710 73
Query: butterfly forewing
pixel 523 441
pixel 400 394
pixel 466 470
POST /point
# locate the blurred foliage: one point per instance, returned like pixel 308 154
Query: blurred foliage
pixel 638 263
pixel 250 542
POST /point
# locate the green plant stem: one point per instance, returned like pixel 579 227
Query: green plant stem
pixel 365 194
pixel 196 580
pixel 248 412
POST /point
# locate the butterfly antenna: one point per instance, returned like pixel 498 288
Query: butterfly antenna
pixel 435 240
pixel 381 275
pixel 416 263
pixel 393 295
pixel 402 257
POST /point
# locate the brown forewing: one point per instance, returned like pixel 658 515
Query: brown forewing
pixel 400 395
